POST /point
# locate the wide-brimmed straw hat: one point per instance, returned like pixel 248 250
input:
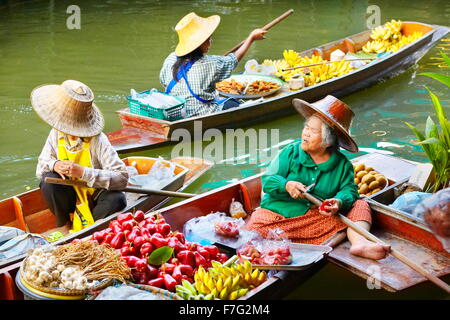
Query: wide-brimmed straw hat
pixel 69 108
pixel 335 113
pixel 193 30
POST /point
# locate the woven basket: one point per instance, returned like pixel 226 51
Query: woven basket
pixel 164 293
pixel 60 291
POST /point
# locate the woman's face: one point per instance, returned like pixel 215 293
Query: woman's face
pixel 312 136
pixel 206 45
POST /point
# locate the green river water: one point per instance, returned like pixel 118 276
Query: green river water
pixel 122 44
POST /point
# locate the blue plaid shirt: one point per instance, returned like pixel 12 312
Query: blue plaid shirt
pixel 202 77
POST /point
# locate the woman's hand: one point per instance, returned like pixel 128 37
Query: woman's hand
pixel 330 207
pixel 66 168
pixel 258 34
pixel 295 189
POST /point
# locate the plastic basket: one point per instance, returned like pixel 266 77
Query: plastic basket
pixel 171 113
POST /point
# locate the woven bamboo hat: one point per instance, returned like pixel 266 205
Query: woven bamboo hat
pixel 69 108
pixel 335 113
pixel 193 30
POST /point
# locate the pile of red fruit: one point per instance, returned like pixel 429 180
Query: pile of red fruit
pixel 136 237
pixel 269 255
pixel 227 229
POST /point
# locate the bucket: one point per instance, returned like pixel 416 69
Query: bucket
pixel 31 293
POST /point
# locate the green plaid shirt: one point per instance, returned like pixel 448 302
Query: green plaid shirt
pixel 202 77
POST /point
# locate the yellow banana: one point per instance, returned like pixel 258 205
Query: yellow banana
pixel 223 294
pixel 233 295
pixel 219 284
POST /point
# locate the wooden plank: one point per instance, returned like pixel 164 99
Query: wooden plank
pixel 391 272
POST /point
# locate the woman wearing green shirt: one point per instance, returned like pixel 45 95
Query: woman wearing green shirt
pixel 316 161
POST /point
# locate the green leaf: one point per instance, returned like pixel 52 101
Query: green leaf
pixel 445 124
pixel 437 76
pixel 446 58
pixel 431 130
pixel 160 255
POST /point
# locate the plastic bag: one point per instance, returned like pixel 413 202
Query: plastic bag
pixel 274 250
pixel 124 292
pixel 7 233
pixel 253 67
pixel 20 245
pixel 158 176
pixel 205 227
pixel 436 212
pixel 408 201
pixel 237 210
pixel 155 99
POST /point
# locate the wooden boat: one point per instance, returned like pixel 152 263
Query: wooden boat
pixel 28 211
pixel 415 241
pixel 141 132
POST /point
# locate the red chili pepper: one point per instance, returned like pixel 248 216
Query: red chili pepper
pixel 118 240
pixel 213 250
pixel 121 218
pixel 158 282
pixel 179 236
pixel 128 225
pixel 200 260
pixel 141 265
pixel 222 257
pixel 146 249
pixel 174 243
pixel 138 242
pixel 115 226
pixel 151 227
pixel 134 233
pixel 145 233
pixel 167 267
pixel 125 251
pixel 322 206
pixel 186 270
pixel 186 257
pixel 152 272
pixel 163 228
pixel 203 252
pixel 131 260
pixel 176 274
pixel 170 282
pixel 158 241
pixel 108 238
pixel 99 236
pixel 139 215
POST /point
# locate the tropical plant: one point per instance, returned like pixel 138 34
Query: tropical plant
pixel 435 142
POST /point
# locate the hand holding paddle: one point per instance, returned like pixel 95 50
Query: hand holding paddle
pixel 260 36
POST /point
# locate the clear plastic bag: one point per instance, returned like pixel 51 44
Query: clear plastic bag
pixel 124 292
pixel 158 176
pixel 436 212
pixel 237 210
pixel 205 227
pixel 408 201
pixel 273 250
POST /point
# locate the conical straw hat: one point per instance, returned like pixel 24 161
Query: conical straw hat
pixel 68 108
pixel 335 113
pixel 193 30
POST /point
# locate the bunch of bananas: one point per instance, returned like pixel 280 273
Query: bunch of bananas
pixel 388 38
pixel 222 282
pixel 327 71
pixel 404 40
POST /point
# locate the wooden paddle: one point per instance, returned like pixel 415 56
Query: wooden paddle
pixel 325 62
pixel 266 27
pixel 81 183
pixel 393 251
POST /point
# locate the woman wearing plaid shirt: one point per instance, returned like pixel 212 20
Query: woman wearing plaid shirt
pixel 192 75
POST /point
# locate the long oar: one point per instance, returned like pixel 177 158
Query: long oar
pixel 80 183
pixel 325 62
pixel 393 251
pixel 266 27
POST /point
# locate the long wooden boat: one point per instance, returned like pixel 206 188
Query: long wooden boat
pixel 414 240
pixel 28 211
pixel 141 132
